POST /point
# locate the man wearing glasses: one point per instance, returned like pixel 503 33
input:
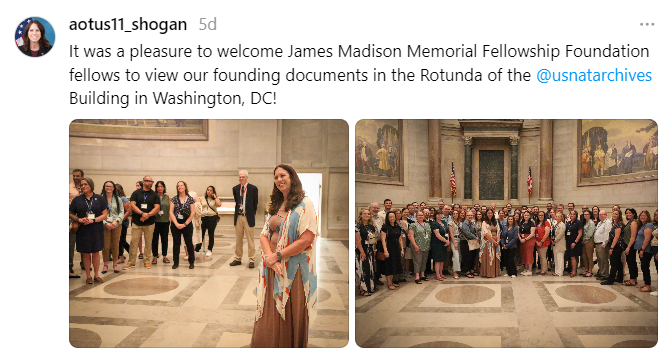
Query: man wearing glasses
pixel 145 203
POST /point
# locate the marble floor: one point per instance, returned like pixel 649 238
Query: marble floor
pixel 207 307
pixel 528 312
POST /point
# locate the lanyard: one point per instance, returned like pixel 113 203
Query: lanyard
pixel 186 200
pixel 89 205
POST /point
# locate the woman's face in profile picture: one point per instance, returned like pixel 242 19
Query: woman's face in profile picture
pixel 34 33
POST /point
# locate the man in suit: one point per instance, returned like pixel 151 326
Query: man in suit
pixel 247 197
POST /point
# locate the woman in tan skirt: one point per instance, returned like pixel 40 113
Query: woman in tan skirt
pixel 490 255
pixel 287 283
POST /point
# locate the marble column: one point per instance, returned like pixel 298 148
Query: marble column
pixel 467 166
pixel 434 145
pixel 513 192
pixel 546 166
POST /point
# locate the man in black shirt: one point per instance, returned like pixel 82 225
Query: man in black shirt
pixel 145 203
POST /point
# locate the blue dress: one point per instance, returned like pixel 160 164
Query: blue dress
pixel 90 238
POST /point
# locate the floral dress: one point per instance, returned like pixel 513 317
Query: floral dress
pixel 364 268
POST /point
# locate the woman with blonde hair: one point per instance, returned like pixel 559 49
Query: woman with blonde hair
pixel 559 243
pixel 365 241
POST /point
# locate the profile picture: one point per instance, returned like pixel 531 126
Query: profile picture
pixel 34 36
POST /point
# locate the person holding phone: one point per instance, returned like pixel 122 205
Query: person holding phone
pixel 210 217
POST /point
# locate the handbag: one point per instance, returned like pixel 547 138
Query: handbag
pixel 473 244
pixel 208 202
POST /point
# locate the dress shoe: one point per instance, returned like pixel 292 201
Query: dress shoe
pixel 251 265
pixel 191 266
pixel 99 279
pixel 73 276
pixel 175 265
pixel 606 282
pixel 235 263
pixel 89 280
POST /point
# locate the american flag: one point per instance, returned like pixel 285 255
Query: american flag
pixel 453 187
pixel 18 35
pixel 529 180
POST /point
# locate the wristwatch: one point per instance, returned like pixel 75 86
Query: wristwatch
pixel 279 255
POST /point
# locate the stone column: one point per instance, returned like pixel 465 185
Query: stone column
pixel 513 192
pixel 434 145
pixel 467 166
pixel 546 166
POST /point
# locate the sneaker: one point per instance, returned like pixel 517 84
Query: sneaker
pixel 513 276
pixel 208 253
pixel 148 266
pixel 128 266
pixel 506 275
pixel 235 263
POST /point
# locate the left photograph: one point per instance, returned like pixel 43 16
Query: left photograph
pixel 200 233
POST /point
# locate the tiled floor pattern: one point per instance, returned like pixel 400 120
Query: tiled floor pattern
pixel 209 306
pixel 528 311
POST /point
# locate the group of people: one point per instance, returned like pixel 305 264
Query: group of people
pixel 485 241
pixel 100 222
pixel 286 291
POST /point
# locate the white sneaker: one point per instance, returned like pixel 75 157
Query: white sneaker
pixel 209 253
pixel 513 276
pixel 654 293
pixel 507 275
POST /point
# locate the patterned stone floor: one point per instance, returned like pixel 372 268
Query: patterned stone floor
pixel 528 311
pixel 207 307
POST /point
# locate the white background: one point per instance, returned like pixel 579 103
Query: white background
pixel 35 96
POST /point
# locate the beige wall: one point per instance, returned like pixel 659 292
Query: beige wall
pixel 416 163
pixel 254 145
pixel 639 195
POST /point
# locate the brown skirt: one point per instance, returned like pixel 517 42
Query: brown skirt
pixel 271 331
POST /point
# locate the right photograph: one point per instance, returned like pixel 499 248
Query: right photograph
pixel 506 233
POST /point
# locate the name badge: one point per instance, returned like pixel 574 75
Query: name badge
pixel 143 206
pixel 91 217
pixel 206 211
pixel 160 212
pixel 569 233
pixel 179 216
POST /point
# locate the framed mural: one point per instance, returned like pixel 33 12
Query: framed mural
pixel 379 155
pixel 617 151
pixel 141 129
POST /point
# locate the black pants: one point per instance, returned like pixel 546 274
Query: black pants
pixel 646 263
pixel 208 223
pixel 654 251
pixel 616 271
pixel 160 228
pixel 123 244
pixel 467 256
pixel 187 232
pixel 631 259
pixel 509 260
